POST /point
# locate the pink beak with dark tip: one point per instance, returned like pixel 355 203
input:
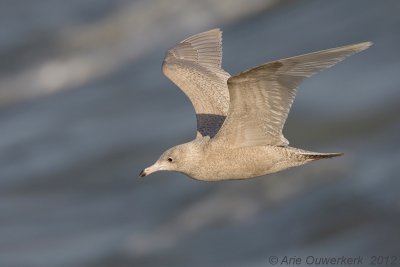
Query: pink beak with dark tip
pixel 149 170
pixel 142 173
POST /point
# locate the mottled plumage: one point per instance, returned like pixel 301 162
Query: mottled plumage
pixel 239 118
pixel 194 65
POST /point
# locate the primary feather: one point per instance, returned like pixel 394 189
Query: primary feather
pixel 194 65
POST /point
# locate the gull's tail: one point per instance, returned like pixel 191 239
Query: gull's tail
pixel 317 156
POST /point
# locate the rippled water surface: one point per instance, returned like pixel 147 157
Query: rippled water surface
pixel 84 107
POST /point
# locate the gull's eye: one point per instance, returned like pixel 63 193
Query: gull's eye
pixel 170 159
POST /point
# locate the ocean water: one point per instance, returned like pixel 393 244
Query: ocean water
pixel 84 107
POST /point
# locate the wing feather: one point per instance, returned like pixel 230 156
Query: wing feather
pixel 194 65
pixel 260 98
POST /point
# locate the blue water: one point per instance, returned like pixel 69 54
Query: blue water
pixel 84 107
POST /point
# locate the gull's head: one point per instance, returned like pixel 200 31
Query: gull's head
pixel 180 158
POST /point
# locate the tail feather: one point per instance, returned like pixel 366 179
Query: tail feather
pixel 317 156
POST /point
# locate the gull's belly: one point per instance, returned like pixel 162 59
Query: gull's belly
pixel 241 163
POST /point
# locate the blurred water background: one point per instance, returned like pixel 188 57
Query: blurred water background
pixel 84 107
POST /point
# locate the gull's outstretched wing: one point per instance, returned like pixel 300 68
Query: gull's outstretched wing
pixel 260 98
pixel 194 65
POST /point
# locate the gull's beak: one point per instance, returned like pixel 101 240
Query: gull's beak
pixel 142 173
pixel 149 170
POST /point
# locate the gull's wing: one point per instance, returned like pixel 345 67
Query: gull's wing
pixel 260 98
pixel 194 65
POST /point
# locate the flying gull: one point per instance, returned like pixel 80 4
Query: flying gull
pixel 239 118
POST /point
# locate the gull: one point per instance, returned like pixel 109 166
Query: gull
pixel 239 118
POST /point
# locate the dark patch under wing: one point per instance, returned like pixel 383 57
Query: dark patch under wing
pixel 209 124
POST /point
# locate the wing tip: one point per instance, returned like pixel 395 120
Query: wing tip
pixel 362 46
pixel 215 31
pixel 346 49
